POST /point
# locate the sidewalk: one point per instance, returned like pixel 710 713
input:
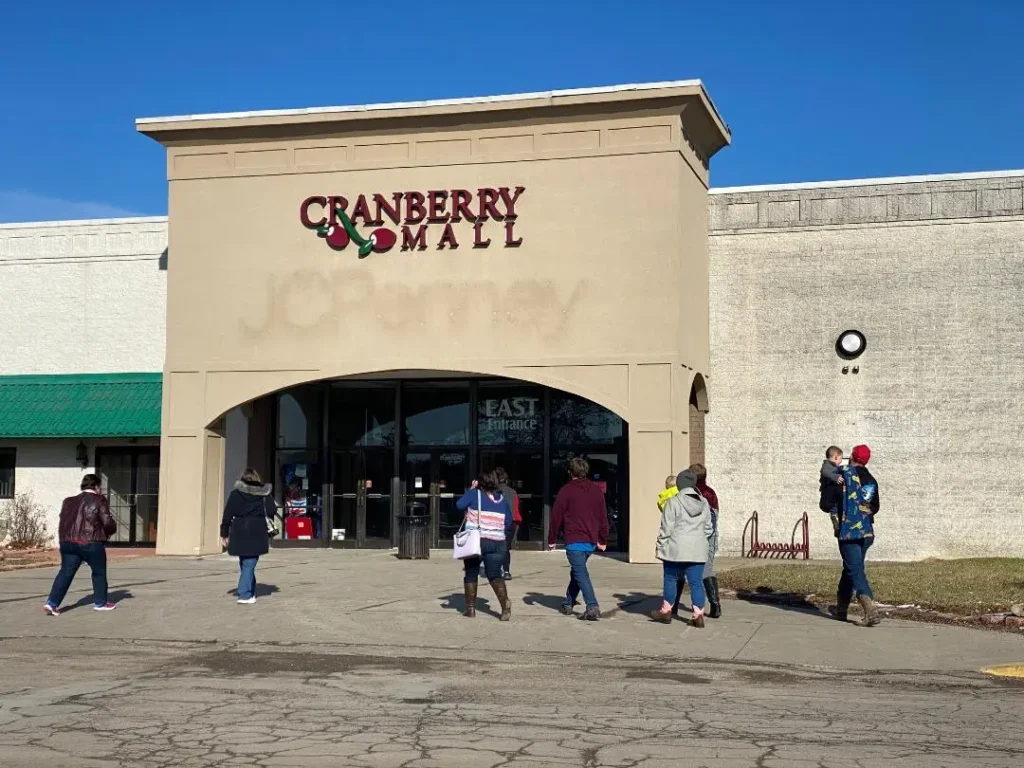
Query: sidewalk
pixel 347 602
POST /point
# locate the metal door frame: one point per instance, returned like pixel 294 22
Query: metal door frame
pixel 361 540
pixel 134 451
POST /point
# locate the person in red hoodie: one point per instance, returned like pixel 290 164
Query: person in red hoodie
pixel 581 515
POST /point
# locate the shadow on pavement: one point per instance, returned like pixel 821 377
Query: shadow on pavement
pixel 784 601
pixel 638 603
pixel 113 596
pixel 456 601
pixel 554 602
pixel 262 590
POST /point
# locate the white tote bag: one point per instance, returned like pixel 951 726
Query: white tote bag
pixel 467 543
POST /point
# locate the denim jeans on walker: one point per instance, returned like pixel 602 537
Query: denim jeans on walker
pixel 492 557
pixel 579 579
pixel 855 577
pixel 247 577
pixel 674 573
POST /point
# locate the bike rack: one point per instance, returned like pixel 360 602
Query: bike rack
pixel 777 550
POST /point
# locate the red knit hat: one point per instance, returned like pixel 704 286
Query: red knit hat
pixel 861 454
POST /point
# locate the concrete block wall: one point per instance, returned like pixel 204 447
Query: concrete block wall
pixel 931 270
pixel 83 297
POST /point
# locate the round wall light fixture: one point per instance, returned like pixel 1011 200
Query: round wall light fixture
pixel 851 344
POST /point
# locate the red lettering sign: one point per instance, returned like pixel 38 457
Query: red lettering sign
pixel 396 215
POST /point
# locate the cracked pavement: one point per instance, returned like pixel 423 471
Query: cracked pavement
pixel 355 659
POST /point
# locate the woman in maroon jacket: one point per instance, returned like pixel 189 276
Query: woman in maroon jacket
pixel 581 515
pixel 85 526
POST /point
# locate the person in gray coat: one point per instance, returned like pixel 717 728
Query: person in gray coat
pixel 682 547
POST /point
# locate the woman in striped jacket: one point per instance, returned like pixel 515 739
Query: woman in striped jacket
pixel 491 513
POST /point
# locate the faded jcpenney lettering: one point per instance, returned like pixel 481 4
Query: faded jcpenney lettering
pixel 415 218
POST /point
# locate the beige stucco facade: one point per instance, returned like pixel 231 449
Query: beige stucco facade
pixel 602 291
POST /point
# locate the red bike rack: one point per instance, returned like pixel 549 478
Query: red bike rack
pixel 778 550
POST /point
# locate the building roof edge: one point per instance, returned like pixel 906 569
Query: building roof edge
pixel 880 181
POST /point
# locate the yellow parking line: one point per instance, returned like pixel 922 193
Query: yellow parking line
pixel 1005 670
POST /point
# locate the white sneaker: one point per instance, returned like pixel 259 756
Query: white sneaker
pixel 247 601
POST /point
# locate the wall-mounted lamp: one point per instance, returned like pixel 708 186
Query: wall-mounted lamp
pixel 851 344
pixel 82 455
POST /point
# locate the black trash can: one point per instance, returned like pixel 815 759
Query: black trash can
pixel 414 532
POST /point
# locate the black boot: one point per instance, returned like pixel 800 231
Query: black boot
pixel 714 601
pixel 842 610
pixel 470 590
pixel 498 585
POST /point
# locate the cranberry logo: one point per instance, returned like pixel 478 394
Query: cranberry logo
pixel 416 217
pixel 338 235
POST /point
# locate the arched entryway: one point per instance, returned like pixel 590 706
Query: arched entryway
pixel 352 454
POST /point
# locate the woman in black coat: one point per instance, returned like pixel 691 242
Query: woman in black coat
pixel 244 529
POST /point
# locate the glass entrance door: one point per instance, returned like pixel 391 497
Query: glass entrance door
pixel 526 474
pixel 362 512
pixel 606 471
pixel 434 481
pixel 131 483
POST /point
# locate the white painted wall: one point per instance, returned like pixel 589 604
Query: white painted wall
pixel 78 297
pixel 83 297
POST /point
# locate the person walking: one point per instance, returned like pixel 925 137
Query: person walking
pixel 683 546
pixel 581 516
pixel 490 513
pixel 506 490
pixel 244 529
pixel 856 534
pixel 668 493
pixel 710 576
pixel 85 525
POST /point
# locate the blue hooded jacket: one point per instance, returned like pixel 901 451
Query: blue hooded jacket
pixel 860 503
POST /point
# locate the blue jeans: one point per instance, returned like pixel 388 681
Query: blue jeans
pixel 579 580
pixel 72 556
pixel 673 575
pixel 854 578
pixel 247 577
pixel 492 556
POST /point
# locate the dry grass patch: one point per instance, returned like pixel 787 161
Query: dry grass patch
pixel 971 586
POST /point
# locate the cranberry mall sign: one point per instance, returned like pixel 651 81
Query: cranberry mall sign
pixel 376 223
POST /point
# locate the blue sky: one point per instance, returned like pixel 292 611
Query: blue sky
pixel 812 90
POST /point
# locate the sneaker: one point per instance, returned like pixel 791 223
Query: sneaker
pixel 566 609
pixel 105 607
pixel 591 614
pixel 507 575
pixel 50 610
pixel 247 601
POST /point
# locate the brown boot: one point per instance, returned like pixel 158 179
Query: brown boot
pixel 498 585
pixel 871 615
pixel 665 617
pixel 470 589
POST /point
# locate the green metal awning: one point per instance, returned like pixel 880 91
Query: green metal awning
pixel 80 405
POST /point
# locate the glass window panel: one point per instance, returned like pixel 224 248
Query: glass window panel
pixel 575 421
pixel 510 416
pixel 299 488
pixel 298 418
pixel 436 414
pixel 363 416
